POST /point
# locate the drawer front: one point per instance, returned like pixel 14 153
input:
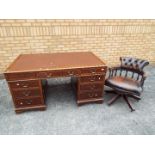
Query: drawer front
pixel 48 74
pixel 93 70
pixel 27 102
pixel 19 76
pixel 90 86
pixel 24 84
pixel 71 72
pixel 93 78
pixel 26 93
pixel 89 95
pixel 61 73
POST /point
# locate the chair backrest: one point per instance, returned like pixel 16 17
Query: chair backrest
pixel 133 63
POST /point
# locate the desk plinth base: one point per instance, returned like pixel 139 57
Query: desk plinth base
pixel 20 110
pixel 86 101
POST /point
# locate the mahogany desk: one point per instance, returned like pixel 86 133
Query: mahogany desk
pixel 26 73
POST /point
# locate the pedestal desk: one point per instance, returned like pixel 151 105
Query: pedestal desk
pixel 26 73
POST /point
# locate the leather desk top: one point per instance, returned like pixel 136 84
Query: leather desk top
pixel 54 61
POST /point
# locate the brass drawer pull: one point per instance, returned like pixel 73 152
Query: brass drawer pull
pixel 96 94
pixel 25 86
pixel 71 73
pixel 93 71
pixel 92 87
pixel 90 95
pixel 92 79
pixel 49 75
pixel 26 93
pixel 29 102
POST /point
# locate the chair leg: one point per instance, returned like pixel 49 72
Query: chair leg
pixel 138 98
pixel 110 91
pixel 128 103
pixel 114 99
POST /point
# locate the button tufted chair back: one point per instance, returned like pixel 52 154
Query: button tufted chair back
pixel 133 63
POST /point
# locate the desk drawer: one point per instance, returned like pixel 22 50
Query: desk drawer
pixel 28 102
pixel 19 76
pixel 71 72
pixel 26 93
pixel 93 70
pixel 61 73
pixel 91 86
pixel 89 95
pixel 24 84
pixel 93 78
pixel 48 74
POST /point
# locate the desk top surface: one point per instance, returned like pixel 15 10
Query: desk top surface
pixel 54 61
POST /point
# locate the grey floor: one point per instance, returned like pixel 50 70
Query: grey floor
pixel 63 116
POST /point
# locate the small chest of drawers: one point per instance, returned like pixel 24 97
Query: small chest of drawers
pixel 90 88
pixel 27 94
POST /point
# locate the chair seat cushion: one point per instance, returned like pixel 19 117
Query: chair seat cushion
pixel 123 83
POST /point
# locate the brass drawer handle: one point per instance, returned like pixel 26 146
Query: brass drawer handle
pixel 26 93
pixel 25 86
pixel 49 75
pixel 96 94
pixel 71 73
pixel 93 71
pixel 92 79
pixel 29 102
pixel 90 95
pixel 92 87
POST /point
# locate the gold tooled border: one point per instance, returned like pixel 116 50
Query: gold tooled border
pixel 52 69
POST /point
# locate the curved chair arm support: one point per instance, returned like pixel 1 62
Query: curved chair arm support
pixel 113 71
pixel 144 76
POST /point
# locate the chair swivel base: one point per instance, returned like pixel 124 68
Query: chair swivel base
pixel 121 95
